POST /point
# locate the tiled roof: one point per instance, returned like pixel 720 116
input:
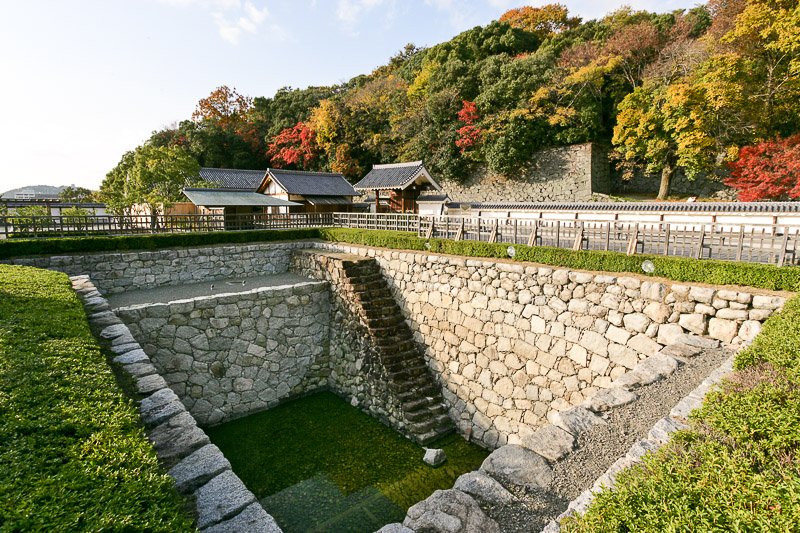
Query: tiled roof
pixel 392 176
pixel 230 178
pixel 427 197
pixel 327 200
pixel 230 197
pixel 395 176
pixel 312 183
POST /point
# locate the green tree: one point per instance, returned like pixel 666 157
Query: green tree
pixel 152 176
pixel 663 127
pixel 72 193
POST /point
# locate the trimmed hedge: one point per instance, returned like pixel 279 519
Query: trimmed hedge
pixel 737 468
pixel 15 248
pixel 713 272
pixel 73 456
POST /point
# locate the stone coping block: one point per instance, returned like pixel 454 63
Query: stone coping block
pixel 606 400
pixel 253 519
pixel 551 442
pixel 198 468
pixel 484 488
pixel 449 511
pixel 223 497
pixel 519 466
pixel 576 420
pixel 131 357
pixel 224 505
pixel 176 438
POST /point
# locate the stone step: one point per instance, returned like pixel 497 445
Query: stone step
pixel 410 373
pixel 385 322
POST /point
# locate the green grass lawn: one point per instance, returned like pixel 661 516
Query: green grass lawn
pixel 322 437
pixel 72 454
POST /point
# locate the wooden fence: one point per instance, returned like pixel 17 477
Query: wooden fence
pixel 759 243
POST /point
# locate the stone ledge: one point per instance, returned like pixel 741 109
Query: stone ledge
pixel 199 469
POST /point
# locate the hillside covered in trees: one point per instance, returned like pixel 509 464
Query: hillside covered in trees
pixel 687 89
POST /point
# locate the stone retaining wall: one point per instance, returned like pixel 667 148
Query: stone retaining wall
pixel 124 271
pixel 564 173
pixel 231 355
pixel 512 344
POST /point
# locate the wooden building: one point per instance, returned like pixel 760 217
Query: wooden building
pixel 315 192
pixel 273 191
pixel 401 185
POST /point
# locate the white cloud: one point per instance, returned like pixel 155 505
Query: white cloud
pixel 232 18
pixel 350 12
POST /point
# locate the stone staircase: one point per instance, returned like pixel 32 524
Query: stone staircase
pixel 364 290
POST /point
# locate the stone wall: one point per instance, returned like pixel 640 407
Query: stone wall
pixel 374 360
pixel 702 187
pixel 123 271
pixel 568 173
pixel 512 344
pixel 230 355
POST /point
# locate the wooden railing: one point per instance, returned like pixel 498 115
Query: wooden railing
pixel 60 226
pixel 760 243
pixel 757 243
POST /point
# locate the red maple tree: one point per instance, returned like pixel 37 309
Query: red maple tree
pixel 295 146
pixel 767 171
pixel 469 134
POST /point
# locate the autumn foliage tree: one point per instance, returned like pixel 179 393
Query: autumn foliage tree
pixel 767 171
pixel 469 134
pixel 543 21
pixel 294 147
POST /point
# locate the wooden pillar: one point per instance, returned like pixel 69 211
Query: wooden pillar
pixel 377 203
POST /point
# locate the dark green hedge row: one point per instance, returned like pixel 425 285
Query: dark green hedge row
pixel 674 268
pixel 737 468
pixel 15 248
pixel 73 456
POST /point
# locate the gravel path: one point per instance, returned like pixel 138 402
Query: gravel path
pixel 600 447
pixel 170 293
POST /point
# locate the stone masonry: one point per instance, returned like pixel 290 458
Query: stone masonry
pixel 512 344
pixel 374 359
pixel 565 173
pixel 227 356
pixel 199 469
pixel 509 343
pixel 115 272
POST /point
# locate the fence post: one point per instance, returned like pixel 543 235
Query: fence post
pixel 533 235
pixel 666 237
pixel 699 254
pixel 784 246
pixel 578 244
pixel 634 240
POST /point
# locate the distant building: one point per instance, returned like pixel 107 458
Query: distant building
pixel 272 191
pixel 401 184
pixel 231 192
pixel 33 192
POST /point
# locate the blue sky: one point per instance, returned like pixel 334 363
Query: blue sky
pixel 84 81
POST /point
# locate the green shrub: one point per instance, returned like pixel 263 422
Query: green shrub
pixel 16 248
pixel 73 456
pixel 736 469
pixel 675 268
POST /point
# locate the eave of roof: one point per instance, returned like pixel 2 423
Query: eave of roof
pixel 395 176
pixel 307 183
pixel 230 198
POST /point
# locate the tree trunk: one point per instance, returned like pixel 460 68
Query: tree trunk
pixel 666 177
